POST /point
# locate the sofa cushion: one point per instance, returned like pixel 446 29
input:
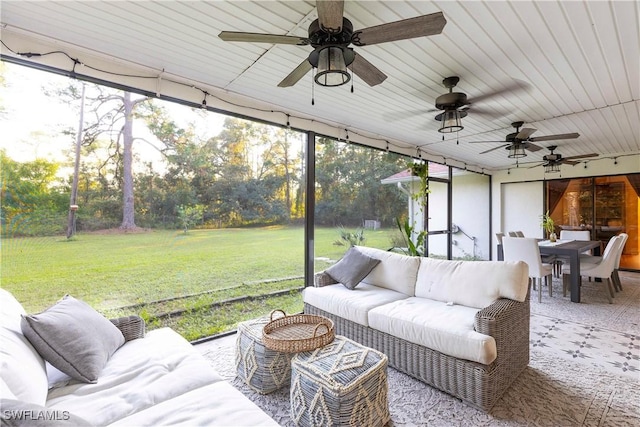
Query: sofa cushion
pixel 142 373
pixel 22 369
pixel 16 413
pixel 471 283
pixel 218 404
pixel 350 304
pixel 73 337
pixel 439 326
pixel 395 271
pixel 352 268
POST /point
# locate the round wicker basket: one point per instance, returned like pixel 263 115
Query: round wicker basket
pixel 297 333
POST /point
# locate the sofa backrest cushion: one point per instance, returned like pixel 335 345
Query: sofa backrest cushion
pixel 22 369
pixel 472 283
pixel 395 271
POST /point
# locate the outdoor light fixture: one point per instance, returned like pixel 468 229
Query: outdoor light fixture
pixel 332 67
pixel 516 151
pixel 552 167
pixel 451 121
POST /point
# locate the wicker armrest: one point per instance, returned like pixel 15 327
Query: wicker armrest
pixel 507 321
pixel 323 279
pixel 132 327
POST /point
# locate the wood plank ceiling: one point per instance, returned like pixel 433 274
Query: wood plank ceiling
pixel 579 62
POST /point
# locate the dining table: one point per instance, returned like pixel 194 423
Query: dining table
pixel 568 249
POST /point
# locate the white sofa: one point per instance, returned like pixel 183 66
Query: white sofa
pixel 460 326
pixel 152 381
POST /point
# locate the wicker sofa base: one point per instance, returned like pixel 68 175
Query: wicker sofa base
pixel 474 383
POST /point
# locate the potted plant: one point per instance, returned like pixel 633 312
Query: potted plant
pixel 548 225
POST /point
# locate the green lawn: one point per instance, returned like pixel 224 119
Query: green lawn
pixel 114 271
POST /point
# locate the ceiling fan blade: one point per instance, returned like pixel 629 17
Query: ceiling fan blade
pixel 513 87
pixel 481 111
pixel 330 15
pixel 554 137
pixel 233 36
pixel 581 156
pixel 525 133
pixel 367 71
pixel 495 148
pixel 296 74
pixel 532 147
pixel 535 166
pixel 425 25
pixel 568 162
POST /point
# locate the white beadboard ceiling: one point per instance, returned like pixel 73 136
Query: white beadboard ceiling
pixel 578 60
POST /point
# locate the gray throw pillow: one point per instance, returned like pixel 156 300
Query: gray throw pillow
pixel 73 337
pixel 16 413
pixel 352 268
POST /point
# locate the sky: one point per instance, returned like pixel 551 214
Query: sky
pixel 32 121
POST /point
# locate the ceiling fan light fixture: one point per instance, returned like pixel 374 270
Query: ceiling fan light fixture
pixel 451 122
pixel 332 68
pixel 552 167
pixel 516 151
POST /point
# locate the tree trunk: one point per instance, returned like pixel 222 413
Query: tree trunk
pixel 128 211
pixel 73 206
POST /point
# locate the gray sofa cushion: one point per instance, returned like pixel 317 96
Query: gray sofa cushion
pixel 352 268
pixel 73 337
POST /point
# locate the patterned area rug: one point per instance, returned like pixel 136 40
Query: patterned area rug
pixel 593 332
pixel 584 370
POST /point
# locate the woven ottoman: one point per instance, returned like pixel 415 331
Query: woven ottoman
pixel 341 384
pixel 262 369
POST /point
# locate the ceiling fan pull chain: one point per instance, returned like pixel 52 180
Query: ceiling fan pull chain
pixel 313 87
pixel 352 80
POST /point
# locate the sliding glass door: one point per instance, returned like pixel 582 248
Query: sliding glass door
pixel 606 206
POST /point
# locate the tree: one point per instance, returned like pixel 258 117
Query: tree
pixel 128 208
pixel 348 184
pixel 30 194
pixel 111 114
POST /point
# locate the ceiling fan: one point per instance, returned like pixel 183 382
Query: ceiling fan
pixel 521 140
pixel 552 161
pixel 454 106
pixel 330 36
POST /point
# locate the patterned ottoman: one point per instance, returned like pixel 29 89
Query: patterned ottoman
pixel 263 370
pixel 341 384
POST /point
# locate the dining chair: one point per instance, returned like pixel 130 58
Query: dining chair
pixel 616 276
pixel 513 234
pixel 499 237
pixel 600 270
pixel 526 249
pixel 519 234
pixel 575 235
pixel 571 235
